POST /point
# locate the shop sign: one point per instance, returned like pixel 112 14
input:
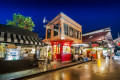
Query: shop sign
pixel 11 46
pixel 95 45
pixel 118 44
pixel 66 44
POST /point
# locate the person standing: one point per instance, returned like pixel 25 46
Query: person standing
pixel 49 54
pixel 76 57
pixel 91 57
pixel 113 57
pixel 109 56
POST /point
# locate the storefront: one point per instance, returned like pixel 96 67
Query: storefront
pixel 98 45
pixel 79 49
pixel 61 50
pixel 10 51
pixel 18 46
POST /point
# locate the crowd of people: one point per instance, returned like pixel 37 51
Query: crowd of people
pixel 109 56
pixel 78 57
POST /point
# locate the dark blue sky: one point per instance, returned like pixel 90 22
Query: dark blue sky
pixel 91 14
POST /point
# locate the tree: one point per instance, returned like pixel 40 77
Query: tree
pixel 21 21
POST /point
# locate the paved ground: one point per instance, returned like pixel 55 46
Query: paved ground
pixel 104 69
pixel 45 68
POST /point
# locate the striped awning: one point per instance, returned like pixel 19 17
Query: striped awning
pixel 13 38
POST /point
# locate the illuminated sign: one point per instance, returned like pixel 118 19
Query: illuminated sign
pixel 95 45
pixel 66 44
pixel 118 44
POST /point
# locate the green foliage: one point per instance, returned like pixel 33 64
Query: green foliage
pixel 21 21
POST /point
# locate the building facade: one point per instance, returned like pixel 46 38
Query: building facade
pixel 18 48
pixel 63 33
pixel 100 43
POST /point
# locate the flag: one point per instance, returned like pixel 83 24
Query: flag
pixel 44 20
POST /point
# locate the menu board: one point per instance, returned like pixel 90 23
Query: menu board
pixel 66 49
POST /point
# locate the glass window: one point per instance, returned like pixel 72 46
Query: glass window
pixel 56 29
pixel 80 35
pixel 66 50
pixel 12 52
pixel 28 51
pixel 49 33
pixel 77 50
pixel 76 34
pixel 56 49
pixel 71 32
pixel 65 29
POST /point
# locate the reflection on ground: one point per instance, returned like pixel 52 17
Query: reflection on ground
pixel 104 69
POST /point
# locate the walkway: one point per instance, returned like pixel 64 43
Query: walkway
pixel 104 69
pixel 45 68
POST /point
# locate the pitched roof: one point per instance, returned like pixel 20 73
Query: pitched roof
pixel 97 35
pixel 17 30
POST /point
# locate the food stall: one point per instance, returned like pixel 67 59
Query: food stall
pixel 18 48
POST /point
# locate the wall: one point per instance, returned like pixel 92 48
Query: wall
pixel 61 19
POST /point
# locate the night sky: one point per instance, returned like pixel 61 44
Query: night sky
pixel 91 14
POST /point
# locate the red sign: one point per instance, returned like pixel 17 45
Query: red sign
pixel 66 44
pixel 95 45
pixel 118 44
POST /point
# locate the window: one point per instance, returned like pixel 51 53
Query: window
pixel 49 33
pixel 56 29
pixel 76 34
pixel 80 35
pixel 65 29
pixel 71 32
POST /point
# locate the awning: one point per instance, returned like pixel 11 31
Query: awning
pixel 14 38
